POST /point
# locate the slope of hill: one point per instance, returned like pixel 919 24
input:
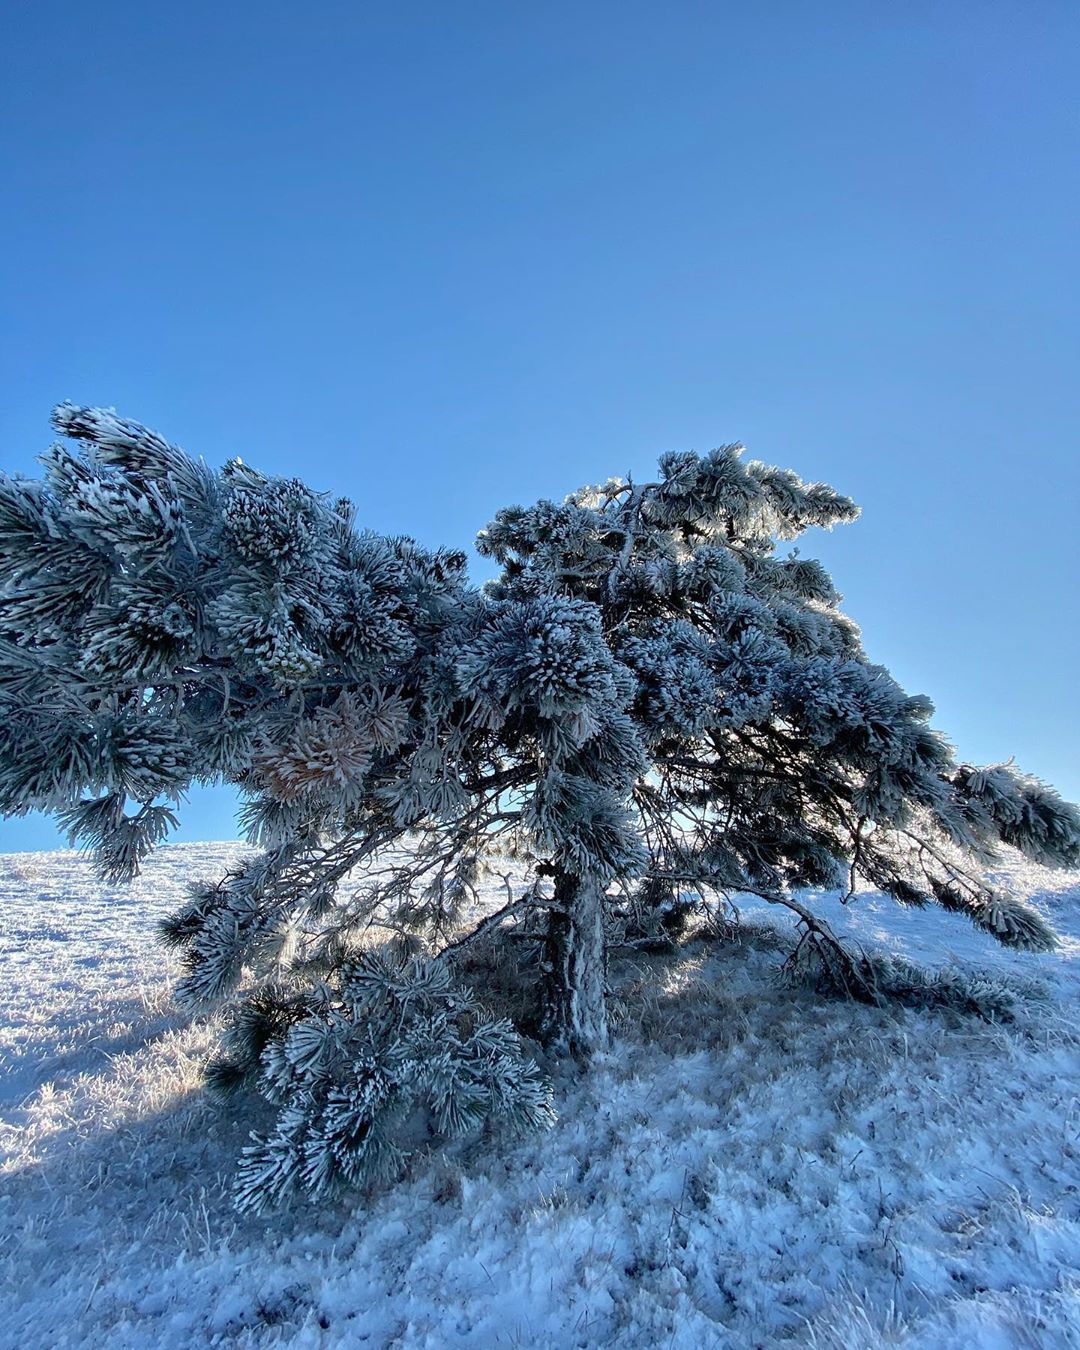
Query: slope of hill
pixel 750 1165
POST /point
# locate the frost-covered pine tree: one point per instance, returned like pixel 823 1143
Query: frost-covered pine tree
pixel 648 704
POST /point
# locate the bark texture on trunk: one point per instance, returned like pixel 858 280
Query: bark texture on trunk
pixel 575 969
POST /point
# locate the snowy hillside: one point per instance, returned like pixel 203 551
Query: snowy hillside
pixel 750 1166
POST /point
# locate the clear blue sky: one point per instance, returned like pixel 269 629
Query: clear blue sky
pixel 444 257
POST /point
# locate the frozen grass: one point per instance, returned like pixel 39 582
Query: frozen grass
pixel 749 1165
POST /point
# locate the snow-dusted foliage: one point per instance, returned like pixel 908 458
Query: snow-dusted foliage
pixel 388 1046
pixel 779 756
pixel 649 695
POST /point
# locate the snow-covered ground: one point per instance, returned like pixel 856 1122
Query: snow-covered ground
pixel 749 1166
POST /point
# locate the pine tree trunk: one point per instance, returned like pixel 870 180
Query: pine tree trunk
pixel 575 970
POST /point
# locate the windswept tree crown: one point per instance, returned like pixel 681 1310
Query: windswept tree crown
pixel 648 702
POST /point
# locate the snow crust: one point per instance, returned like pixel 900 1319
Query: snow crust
pixel 749 1166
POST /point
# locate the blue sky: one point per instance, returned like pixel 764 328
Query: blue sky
pixel 447 257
